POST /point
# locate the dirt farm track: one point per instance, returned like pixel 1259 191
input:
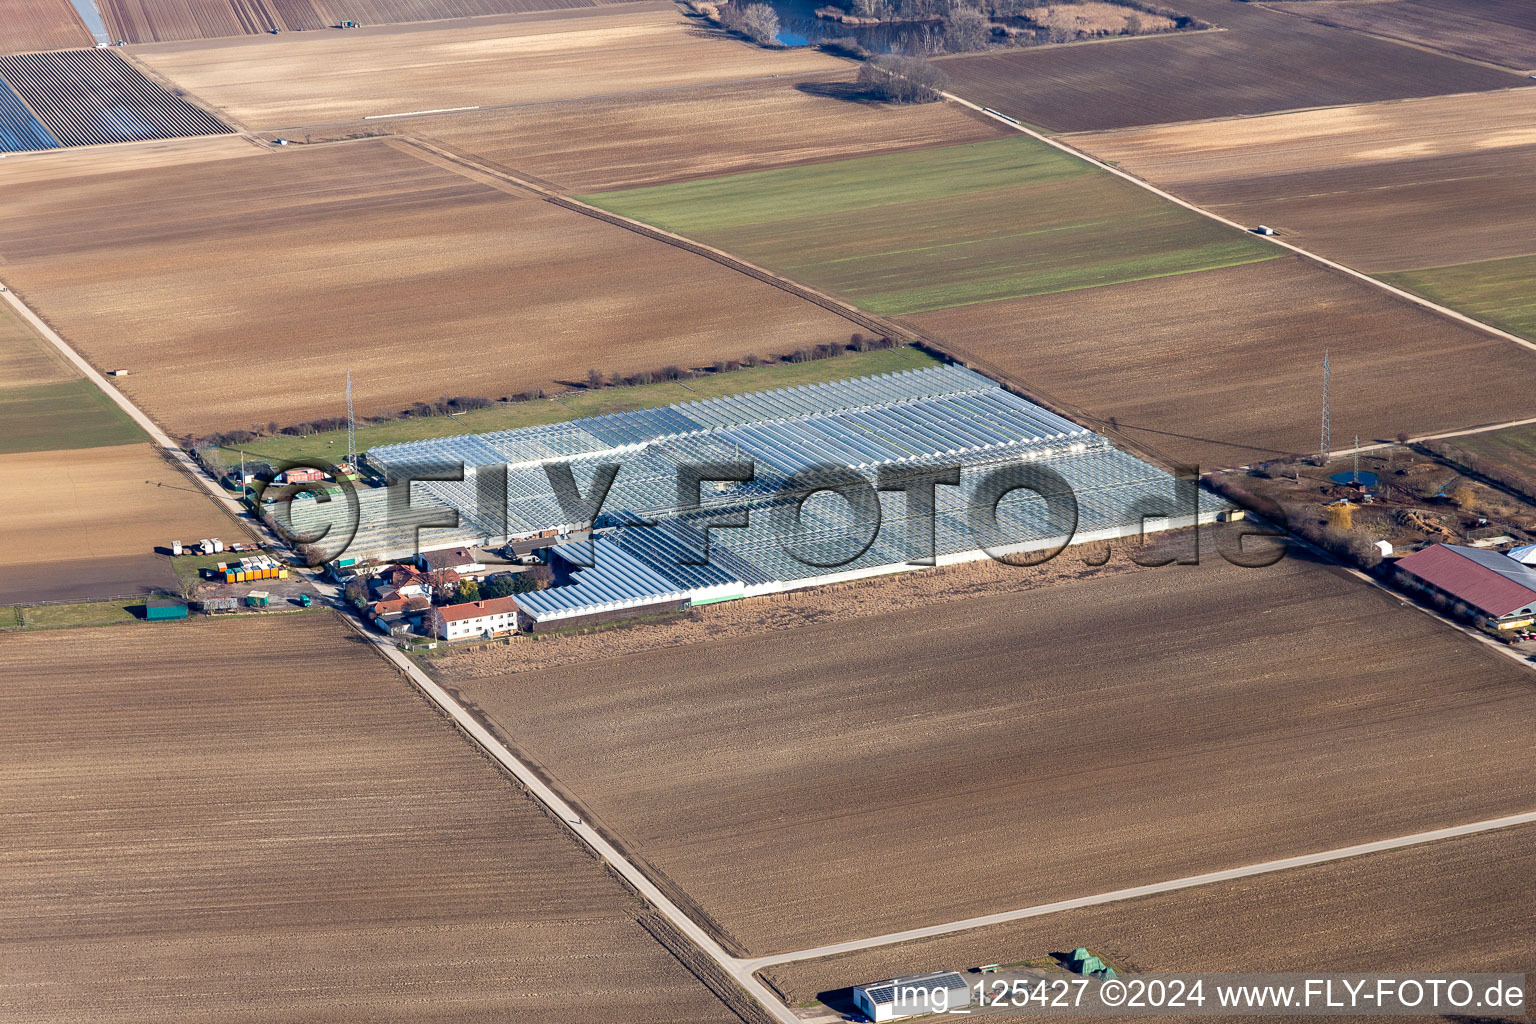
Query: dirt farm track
pixel 1260 61
pixel 1460 905
pixel 296 81
pixel 239 291
pixel 1222 368
pixel 282 842
pixel 1501 31
pixel 81 524
pixel 761 775
pixel 1381 187
pixel 148 21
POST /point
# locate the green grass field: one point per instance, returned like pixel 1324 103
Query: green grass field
pixel 61 414
pixel 89 613
pixel 1514 447
pixel 1498 292
pixel 45 405
pixel 910 232
pixel 332 446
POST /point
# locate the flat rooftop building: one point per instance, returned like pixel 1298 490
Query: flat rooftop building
pixel 911 996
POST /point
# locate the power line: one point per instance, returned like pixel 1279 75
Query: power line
pixel 1326 446
pixel 351 429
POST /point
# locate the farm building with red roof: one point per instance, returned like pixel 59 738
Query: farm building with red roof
pixel 1495 585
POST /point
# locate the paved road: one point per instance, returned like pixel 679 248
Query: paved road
pixel 1056 143
pixel 1173 885
pixel 743 970
pixel 737 969
pixel 138 416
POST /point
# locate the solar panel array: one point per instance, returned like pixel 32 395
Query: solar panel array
pixel 937 416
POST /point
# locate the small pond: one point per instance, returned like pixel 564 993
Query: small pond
pixel 799 26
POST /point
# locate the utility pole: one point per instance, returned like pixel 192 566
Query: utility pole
pixel 1326 445
pixel 351 429
pixel 1357 460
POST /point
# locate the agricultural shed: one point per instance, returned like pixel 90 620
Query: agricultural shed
pixel 1502 589
pixel 158 610
pixel 912 995
pixel 1525 555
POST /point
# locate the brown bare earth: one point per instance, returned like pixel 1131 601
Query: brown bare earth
pixel 1384 187
pixel 241 291
pixel 81 524
pixel 1262 61
pixel 27 25
pixel 1224 367
pixel 144 21
pixel 1458 905
pixel 848 778
pixel 788 611
pixel 674 135
pixel 1501 31
pixel 25 359
pixel 285 81
pixel 55 164
pixel 1097 18
pixel 259 820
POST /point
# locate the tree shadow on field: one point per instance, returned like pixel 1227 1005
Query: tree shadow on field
pixel 848 92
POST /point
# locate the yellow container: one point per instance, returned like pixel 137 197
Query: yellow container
pixel 282 574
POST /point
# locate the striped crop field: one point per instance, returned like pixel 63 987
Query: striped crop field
pixel 88 97
pixel 19 130
pixel 152 21
pixel 27 25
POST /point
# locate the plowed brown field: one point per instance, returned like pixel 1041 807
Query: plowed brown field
pixel 1262 61
pixel 150 21
pixel 1501 31
pixel 27 25
pixel 1458 905
pixel 240 291
pixel 64 515
pixel 848 778
pixel 1383 187
pixel 197 831
pixel 1224 367
pixel 674 135
pixel 289 81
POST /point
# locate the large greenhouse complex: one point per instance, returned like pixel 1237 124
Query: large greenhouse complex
pixel 647 543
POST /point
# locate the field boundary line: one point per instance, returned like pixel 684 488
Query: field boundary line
pixel 1081 133
pixel 846 310
pixel 1486 428
pixel 1418 300
pixel 1411 44
pixel 235 126
pixel 158 438
pixel 606 852
pixel 1172 885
